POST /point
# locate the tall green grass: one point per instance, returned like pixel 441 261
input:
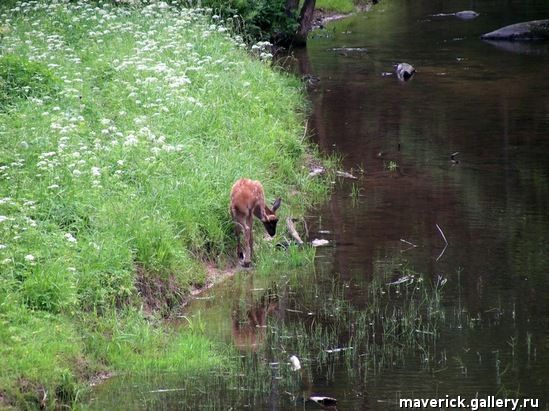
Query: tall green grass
pixel 338 6
pixel 121 132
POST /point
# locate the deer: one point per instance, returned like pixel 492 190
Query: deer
pixel 247 201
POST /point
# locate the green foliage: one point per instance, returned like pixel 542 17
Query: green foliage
pixel 50 287
pixel 263 19
pixel 21 78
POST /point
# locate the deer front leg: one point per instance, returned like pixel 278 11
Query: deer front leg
pixel 238 232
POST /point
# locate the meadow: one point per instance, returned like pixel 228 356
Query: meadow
pixel 122 130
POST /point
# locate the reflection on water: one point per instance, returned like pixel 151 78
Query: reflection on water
pixel 490 105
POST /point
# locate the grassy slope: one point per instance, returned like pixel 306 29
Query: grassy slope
pixel 121 133
pixel 337 6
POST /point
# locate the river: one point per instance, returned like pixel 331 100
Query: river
pixel 452 189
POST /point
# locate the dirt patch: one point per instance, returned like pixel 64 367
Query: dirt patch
pixel 215 275
pixel 160 294
pixel 166 296
pixel 100 377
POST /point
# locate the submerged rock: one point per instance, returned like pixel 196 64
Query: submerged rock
pixel 525 31
pixel 466 14
pixel 405 71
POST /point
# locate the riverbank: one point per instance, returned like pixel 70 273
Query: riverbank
pixel 123 130
pixel 330 10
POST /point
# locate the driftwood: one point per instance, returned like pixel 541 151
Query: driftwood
pixel 293 231
pixel 321 170
pixel 345 174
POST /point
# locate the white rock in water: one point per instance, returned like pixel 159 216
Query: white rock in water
pixel 296 365
pixel 319 243
pixel 466 14
pixel 405 71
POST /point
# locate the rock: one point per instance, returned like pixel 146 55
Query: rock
pixel 405 71
pixel 525 31
pixel 466 14
pixel 316 171
pixel 319 242
pixel 295 363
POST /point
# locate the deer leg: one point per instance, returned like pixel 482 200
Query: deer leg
pixel 248 243
pixel 238 233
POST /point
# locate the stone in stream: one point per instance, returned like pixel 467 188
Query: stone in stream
pixel 463 15
pixel 405 71
pixel 466 14
pixel 526 31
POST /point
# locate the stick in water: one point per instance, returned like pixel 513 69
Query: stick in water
pixel 446 241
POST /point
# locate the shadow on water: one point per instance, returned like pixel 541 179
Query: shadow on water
pixel 463 145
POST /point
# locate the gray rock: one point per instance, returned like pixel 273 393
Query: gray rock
pixel 466 14
pixel 405 71
pixel 525 31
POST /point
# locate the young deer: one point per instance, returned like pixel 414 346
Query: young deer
pixel 247 200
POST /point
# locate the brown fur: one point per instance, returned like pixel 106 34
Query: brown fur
pixel 247 200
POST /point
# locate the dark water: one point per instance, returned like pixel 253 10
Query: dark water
pixel 487 102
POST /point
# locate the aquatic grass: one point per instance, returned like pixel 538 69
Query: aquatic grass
pixel 127 343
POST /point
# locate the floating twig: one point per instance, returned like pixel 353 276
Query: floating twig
pixel 406 278
pixel 446 241
pixel 335 350
pixel 345 174
pixel 412 245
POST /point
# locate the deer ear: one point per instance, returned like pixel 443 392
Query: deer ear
pixel 276 204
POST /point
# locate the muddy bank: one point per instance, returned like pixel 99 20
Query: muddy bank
pixel 322 17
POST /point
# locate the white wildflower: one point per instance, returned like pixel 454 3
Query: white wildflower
pixel 96 171
pixel 29 257
pixel 131 140
pixel 70 238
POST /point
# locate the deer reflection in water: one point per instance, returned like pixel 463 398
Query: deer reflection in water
pixel 249 325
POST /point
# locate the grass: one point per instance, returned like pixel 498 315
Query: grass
pixel 340 6
pixel 121 132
